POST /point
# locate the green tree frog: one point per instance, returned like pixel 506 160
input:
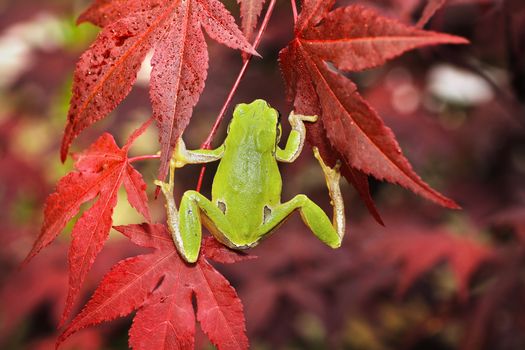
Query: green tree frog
pixel 246 192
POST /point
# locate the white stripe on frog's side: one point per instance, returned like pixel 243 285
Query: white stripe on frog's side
pixel 332 177
pixel 171 210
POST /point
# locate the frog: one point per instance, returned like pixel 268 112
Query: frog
pixel 245 204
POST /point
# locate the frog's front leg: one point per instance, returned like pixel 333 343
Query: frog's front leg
pixel 182 156
pixel 313 216
pixel 295 142
pixel 185 225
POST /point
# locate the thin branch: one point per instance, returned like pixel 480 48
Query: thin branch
pixel 430 10
pixel 206 144
pixel 146 157
pixel 294 10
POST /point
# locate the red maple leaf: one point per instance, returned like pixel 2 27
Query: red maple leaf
pixel 250 11
pixel 161 285
pixel 101 170
pixel 172 29
pixel 352 38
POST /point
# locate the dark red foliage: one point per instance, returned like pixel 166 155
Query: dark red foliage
pixel 464 255
pixel 88 340
pixel 352 38
pixel 43 284
pixel 429 279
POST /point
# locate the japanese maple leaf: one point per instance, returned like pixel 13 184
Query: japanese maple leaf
pixel 352 38
pixel 250 11
pixel 172 29
pixel 161 286
pixel 101 170
pixel 417 253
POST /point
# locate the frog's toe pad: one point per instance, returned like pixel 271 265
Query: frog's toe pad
pixel 309 118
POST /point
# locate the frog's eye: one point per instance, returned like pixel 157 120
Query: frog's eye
pixel 241 109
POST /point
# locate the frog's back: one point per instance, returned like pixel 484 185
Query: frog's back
pixel 248 178
pixel 250 181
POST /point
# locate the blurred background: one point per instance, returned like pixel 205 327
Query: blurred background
pixel 432 278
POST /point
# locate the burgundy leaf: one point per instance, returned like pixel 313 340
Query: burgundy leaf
pixel 352 38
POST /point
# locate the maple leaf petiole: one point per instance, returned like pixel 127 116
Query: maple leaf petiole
pixel 207 143
pixel 144 157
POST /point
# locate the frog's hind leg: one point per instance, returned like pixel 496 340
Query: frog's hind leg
pixel 313 216
pixel 185 225
pixel 194 207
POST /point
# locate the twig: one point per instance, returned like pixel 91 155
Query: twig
pixel 206 144
pixel 294 10
pixel 146 157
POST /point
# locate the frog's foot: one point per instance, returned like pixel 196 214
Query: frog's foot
pixel 332 177
pixel 167 187
pixel 180 154
pixel 295 118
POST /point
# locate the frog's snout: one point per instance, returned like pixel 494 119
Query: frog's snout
pixel 260 105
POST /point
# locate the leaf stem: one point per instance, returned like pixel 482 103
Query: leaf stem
pixel 206 144
pixel 145 157
pixel 294 10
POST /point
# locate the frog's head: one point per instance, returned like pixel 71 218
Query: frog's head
pixel 256 123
